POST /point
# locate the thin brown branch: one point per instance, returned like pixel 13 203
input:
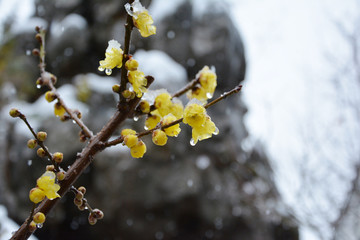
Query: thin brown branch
pixel 40 143
pixel 48 80
pixel 186 88
pixel 124 79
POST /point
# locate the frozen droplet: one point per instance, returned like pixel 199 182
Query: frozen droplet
pixel 190 183
pixel 216 132
pixel 86 207
pixel 192 142
pixel 146 128
pixel 28 52
pixel 108 71
pixel 39 225
pixel 38 86
pixel 136 118
pixel 74 122
pixel 209 95
pixel 101 69
pixel 29 162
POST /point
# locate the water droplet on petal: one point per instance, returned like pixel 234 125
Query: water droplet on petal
pixel 146 128
pixel 39 225
pixel 101 69
pixel 209 95
pixel 216 132
pixel 38 86
pixel 108 71
pixel 29 162
pixel 192 142
pixel 136 118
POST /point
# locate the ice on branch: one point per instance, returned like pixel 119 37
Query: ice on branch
pixel 141 18
pixel 206 87
pixel 113 57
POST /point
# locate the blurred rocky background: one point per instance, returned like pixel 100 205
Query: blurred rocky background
pixel 218 189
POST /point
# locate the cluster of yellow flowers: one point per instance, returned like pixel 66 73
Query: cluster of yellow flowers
pixel 137 146
pixel 136 77
pixel 165 109
pixel 46 187
pixel 141 18
pixel 206 87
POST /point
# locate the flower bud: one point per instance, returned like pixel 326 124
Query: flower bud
pixel 38 37
pixel 126 94
pixel 36 52
pixel 98 214
pixel 82 190
pixel 32 226
pixel 92 220
pixel 145 106
pixel 14 112
pixel 131 64
pixel 82 206
pixel 41 136
pixel 50 96
pixel 58 157
pixel 41 152
pixel 50 168
pixel 79 195
pixel 116 88
pixel 32 143
pixel 78 202
pixel 36 195
pixel 39 81
pixel 39 217
pixel 60 175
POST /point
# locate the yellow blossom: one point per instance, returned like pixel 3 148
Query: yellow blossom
pixel 174 130
pixel 47 184
pixel 165 104
pixel 206 87
pixel 138 82
pixel 141 18
pixel 204 132
pixel 194 114
pixel 159 137
pixel 130 138
pixel 36 195
pixel 138 150
pixel 113 57
pixel 131 64
pixel 59 110
pixel 151 121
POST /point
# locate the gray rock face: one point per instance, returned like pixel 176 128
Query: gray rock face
pixel 215 190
